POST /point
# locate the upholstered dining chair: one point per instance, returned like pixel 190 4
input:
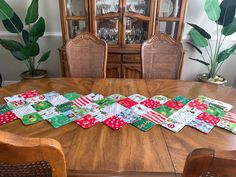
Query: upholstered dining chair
pixel 209 163
pixel 30 157
pixel 86 56
pixel 162 57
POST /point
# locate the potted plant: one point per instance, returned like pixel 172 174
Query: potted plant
pixel 26 49
pixel 224 17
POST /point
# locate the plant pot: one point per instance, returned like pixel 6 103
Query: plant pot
pixel 218 80
pixel 40 73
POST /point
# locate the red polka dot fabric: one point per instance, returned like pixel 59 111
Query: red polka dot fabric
pixel 198 105
pixel 208 118
pixel 114 122
pixel 174 104
pixel 127 102
pixel 151 103
pixel 29 94
pixel 87 121
pixel 7 117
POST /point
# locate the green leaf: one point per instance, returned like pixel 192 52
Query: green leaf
pixel 227 12
pixel 201 31
pixel 31 50
pixel 6 11
pixel 32 13
pixel 19 55
pixel 44 57
pixel 226 53
pixel 11 45
pixel 25 36
pixel 37 30
pixel 195 47
pixel 198 39
pixel 230 29
pixel 13 25
pixel 212 9
pixel 200 61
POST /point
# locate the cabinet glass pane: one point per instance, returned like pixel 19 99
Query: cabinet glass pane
pixel 106 6
pixel 170 8
pixel 75 8
pixel 170 28
pixel 136 31
pixel 75 27
pixel 138 6
pixel 107 30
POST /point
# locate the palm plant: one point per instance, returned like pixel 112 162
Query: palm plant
pixel 26 49
pixel 224 17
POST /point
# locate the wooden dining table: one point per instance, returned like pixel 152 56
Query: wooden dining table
pixel 101 151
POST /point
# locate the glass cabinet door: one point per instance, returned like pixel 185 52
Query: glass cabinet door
pixel 76 17
pixel 138 21
pixel 107 20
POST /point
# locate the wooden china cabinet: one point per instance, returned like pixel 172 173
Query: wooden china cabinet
pixel 124 25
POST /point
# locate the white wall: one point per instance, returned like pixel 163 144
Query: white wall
pixel 49 9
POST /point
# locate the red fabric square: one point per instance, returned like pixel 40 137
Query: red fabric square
pixel 114 122
pixel 208 118
pixel 30 94
pixel 198 105
pixel 151 103
pixel 127 102
pixel 87 121
pixel 7 117
pixel 174 104
pixel 231 117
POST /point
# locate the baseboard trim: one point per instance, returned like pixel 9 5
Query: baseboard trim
pixel 5 83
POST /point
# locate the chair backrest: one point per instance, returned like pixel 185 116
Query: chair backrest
pixel 208 163
pixel 30 157
pixel 161 57
pixel 86 56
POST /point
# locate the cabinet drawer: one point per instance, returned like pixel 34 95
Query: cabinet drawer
pixel 132 58
pixel 114 58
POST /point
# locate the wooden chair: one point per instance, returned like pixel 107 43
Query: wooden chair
pixel 162 57
pixel 86 56
pixel 30 157
pixel 208 163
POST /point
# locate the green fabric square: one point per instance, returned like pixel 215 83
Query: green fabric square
pixel 4 108
pixel 215 111
pixel 66 107
pixel 42 105
pixel 59 120
pixel 164 110
pixel 31 118
pixel 72 96
pixel 105 102
pixel 143 124
pixel 182 99
pixel 179 98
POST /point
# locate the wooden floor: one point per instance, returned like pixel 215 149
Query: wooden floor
pixel 100 151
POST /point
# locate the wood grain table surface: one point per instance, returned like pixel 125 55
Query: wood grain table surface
pixel 101 151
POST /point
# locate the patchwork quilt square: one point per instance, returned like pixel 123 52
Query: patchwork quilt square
pixel 105 102
pixel 50 95
pixel 113 109
pixel 155 117
pixel 114 122
pixel 66 107
pixel 208 118
pixel 173 125
pixel 137 98
pixel 128 115
pixel 201 126
pixel 58 100
pixel 140 109
pixel 152 104
pixel 31 118
pixel 36 99
pixel 127 102
pixel 215 111
pixel 4 108
pixel 116 97
pixel 87 121
pixel 82 101
pixel 42 105
pixel 72 96
pixel 182 99
pixel 227 125
pixel 29 94
pixel 174 104
pixel 143 124
pixel 20 112
pixel 164 110
pixel 160 98
pixel 95 96
pixel 15 101
pixel 7 117
pixel 59 120
pixel 231 117
pixel 48 113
